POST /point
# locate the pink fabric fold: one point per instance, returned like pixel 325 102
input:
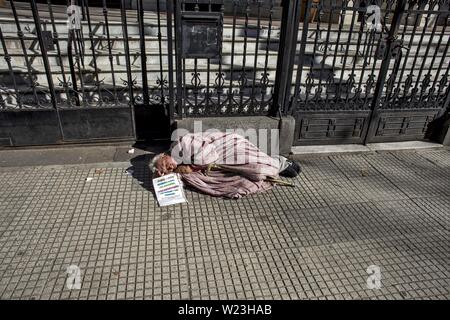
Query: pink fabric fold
pixel 248 165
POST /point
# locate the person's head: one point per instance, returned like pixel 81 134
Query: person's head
pixel 163 164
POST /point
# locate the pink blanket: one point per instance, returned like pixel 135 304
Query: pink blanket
pixel 249 166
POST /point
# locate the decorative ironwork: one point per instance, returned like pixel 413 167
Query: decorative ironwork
pixel 333 68
pixel 240 80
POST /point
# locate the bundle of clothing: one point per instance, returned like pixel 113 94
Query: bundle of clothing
pixel 223 165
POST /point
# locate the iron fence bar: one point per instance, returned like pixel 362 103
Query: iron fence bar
pixel 140 16
pixel 351 80
pixel 422 66
pixel 186 102
pixel 79 65
pixel 169 12
pixel 37 23
pixel 265 76
pixel 219 81
pixel 358 45
pixel 286 56
pixel 58 50
pixel 395 25
pixel 371 80
pixel 408 50
pixel 327 39
pixel 444 81
pixel 179 60
pixel 110 55
pixel 447 101
pixel 233 40
pixel 2 101
pixel 415 89
pixel 337 44
pixel 301 55
pixel 317 34
pixel 185 89
pixel 10 69
pixel 208 71
pixel 255 62
pixel 24 50
pixel 83 5
pixel 396 88
pixel 352 24
pixel 130 81
pixel 48 71
pixel 161 74
pixel 243 76
pixel 72 67
pixel 94 55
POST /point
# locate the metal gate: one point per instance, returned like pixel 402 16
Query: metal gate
pixel 226 56
pixel 128 72
pixel 99 75
pixel 369 71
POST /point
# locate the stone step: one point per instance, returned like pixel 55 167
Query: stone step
pixel 116 33
pixel 152 43
pixel 151 24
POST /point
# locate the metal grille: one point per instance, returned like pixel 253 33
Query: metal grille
pixel 240 80
pixel 360 80
pixel 418 78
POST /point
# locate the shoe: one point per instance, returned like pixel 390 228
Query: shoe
pixel 292 170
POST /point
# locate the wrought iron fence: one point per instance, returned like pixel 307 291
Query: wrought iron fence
pixel 361 80
pixel 99 64
pixel 345 76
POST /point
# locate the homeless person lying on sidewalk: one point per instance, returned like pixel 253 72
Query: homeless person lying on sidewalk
pixel 223 165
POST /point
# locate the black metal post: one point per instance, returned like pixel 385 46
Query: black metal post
pixel 94 58
pixel 72 66
pixel 179 62
pixel 161 71
pixel 169 9
pixel 395 25
pixel 286 55
pixel 24 51
pixel 140 14
pixel 48 71
pixel 58 50
pixel 10 69
pixel 110 53
pixel 301 55
pixel 128 62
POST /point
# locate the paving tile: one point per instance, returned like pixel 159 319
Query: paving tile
pixel 312 241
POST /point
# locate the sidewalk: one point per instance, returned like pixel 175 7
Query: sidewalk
pixel 315 241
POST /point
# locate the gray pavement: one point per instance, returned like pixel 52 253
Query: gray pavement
pixel 387 210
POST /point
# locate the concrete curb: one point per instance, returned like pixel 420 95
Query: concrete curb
pixel 303 151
